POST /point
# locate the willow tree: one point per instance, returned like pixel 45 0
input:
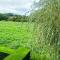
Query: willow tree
pixel 47 30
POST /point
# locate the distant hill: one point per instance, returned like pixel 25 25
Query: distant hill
pixel 13 17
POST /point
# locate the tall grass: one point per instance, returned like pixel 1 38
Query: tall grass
pixel 47 32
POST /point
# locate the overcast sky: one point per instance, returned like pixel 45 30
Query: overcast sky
pixel 15 6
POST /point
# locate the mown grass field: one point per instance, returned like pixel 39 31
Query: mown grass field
pixel 21 34
pixel 15 34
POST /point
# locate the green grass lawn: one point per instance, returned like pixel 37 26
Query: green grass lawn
pixel 15 34
pixel 21 34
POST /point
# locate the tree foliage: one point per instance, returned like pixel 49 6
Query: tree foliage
pixel 13 17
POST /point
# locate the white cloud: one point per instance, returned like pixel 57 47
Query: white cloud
pixel 15 6
pixel 37 1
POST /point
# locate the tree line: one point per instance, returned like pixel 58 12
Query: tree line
pixel 13 17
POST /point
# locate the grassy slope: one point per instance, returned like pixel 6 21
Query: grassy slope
pixel 15 34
